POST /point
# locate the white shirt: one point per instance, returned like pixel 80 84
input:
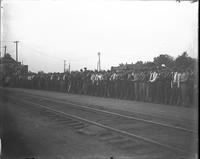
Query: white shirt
pixel 176 78
pixel 153 76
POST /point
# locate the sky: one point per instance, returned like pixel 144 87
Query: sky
pixel 123 31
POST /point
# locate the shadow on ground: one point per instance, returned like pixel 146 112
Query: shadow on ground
pixel 13 145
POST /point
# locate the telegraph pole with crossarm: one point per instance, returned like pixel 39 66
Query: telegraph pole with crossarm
pixel 16 42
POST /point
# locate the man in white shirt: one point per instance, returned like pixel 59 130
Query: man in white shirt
pixel 184 87
pixel 152 80
pixel 175 85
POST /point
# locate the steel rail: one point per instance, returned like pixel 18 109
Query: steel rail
pixel 121 115
pixel 109 128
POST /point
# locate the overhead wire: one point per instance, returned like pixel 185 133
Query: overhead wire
pixel 47 55
pixel 42 53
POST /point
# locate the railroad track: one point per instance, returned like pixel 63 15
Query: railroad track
pixel 134 117
pixel 127 130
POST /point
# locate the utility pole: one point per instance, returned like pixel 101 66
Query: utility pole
pixel 64 66
pixel 0 29
pixel 69 68
pixel 5 48
pixel 16 42
pixel 99 63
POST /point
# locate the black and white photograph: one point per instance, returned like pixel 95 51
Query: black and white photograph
pixel 99 79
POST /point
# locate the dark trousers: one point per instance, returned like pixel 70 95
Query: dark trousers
pixel 184 94
pixel 152 91
pixel 175 95
pixel 167 92
pixel 159 92
pixel 136 90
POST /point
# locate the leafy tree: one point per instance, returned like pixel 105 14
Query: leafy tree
pixel 148 65
pixel 164 59
pixel 138 65
pixel 40 72
pixel 184 61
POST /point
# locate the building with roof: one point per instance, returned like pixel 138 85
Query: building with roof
pixel 10 67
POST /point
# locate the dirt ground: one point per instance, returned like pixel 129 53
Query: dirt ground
pixel 165 111
pixel 27 134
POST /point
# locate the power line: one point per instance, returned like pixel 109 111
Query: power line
pixel 8 43
pixel 10 50
pixel 43 53
pixel 51 56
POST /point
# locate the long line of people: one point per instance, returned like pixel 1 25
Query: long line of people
pixel 157 85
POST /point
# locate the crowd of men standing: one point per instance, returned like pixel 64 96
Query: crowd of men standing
pixel 157 85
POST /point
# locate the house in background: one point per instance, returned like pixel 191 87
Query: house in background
pixel 9 67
